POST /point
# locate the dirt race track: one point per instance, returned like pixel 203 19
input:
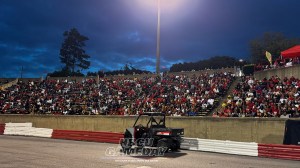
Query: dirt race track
pixel 17 151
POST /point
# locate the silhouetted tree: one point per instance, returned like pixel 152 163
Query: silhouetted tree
pixel 72 53
pixel 272 42
pixel 64 73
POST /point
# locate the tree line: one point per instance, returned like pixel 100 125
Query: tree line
pixel 273 42
pixel 215 62
pixel 75 60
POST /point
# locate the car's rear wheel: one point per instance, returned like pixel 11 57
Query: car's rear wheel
pixel 175 149
pixel 175 146
pixel 163 144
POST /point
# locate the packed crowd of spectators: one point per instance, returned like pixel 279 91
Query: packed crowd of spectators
pixel 174 95
pixel 278 64
pixel 272 97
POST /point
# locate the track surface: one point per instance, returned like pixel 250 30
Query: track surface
pixel 17 151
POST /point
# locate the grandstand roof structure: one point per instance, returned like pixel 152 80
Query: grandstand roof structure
pixel 291 52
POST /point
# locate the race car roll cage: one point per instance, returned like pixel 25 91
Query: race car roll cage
pixel 152 120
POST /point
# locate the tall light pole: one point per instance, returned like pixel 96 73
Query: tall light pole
pixel 158 39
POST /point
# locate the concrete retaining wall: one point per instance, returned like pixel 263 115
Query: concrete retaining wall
pixel 280 72
pixel 260 130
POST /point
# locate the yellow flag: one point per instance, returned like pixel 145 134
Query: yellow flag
pixel 269 57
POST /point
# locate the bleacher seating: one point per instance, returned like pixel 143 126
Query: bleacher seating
pixel 176 95
pixel 272 97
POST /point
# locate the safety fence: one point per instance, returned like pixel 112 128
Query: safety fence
pixel 94 136
pixel 291 152
pixel 219 146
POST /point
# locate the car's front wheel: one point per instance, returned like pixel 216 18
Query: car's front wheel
pixel 126 145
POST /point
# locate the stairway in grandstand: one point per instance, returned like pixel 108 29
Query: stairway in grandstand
pixel 219 106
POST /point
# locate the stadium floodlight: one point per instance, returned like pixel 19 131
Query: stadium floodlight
pixel 168 5
pixel 158 39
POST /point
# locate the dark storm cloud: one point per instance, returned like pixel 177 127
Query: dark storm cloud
pixel 124 31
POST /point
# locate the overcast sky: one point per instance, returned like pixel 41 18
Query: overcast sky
pixel 124 31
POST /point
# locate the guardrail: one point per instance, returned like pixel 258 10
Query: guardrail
pixel 109 137
pixel 291 152
pixel 219 146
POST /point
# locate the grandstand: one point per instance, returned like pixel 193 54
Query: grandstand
pixel 202 93
pixel 272 97
pixel 174 94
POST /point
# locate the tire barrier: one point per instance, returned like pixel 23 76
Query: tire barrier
pixel 108 137
pixel 218 146
pixel 2 127
pixel 291 152
pixel 26 129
